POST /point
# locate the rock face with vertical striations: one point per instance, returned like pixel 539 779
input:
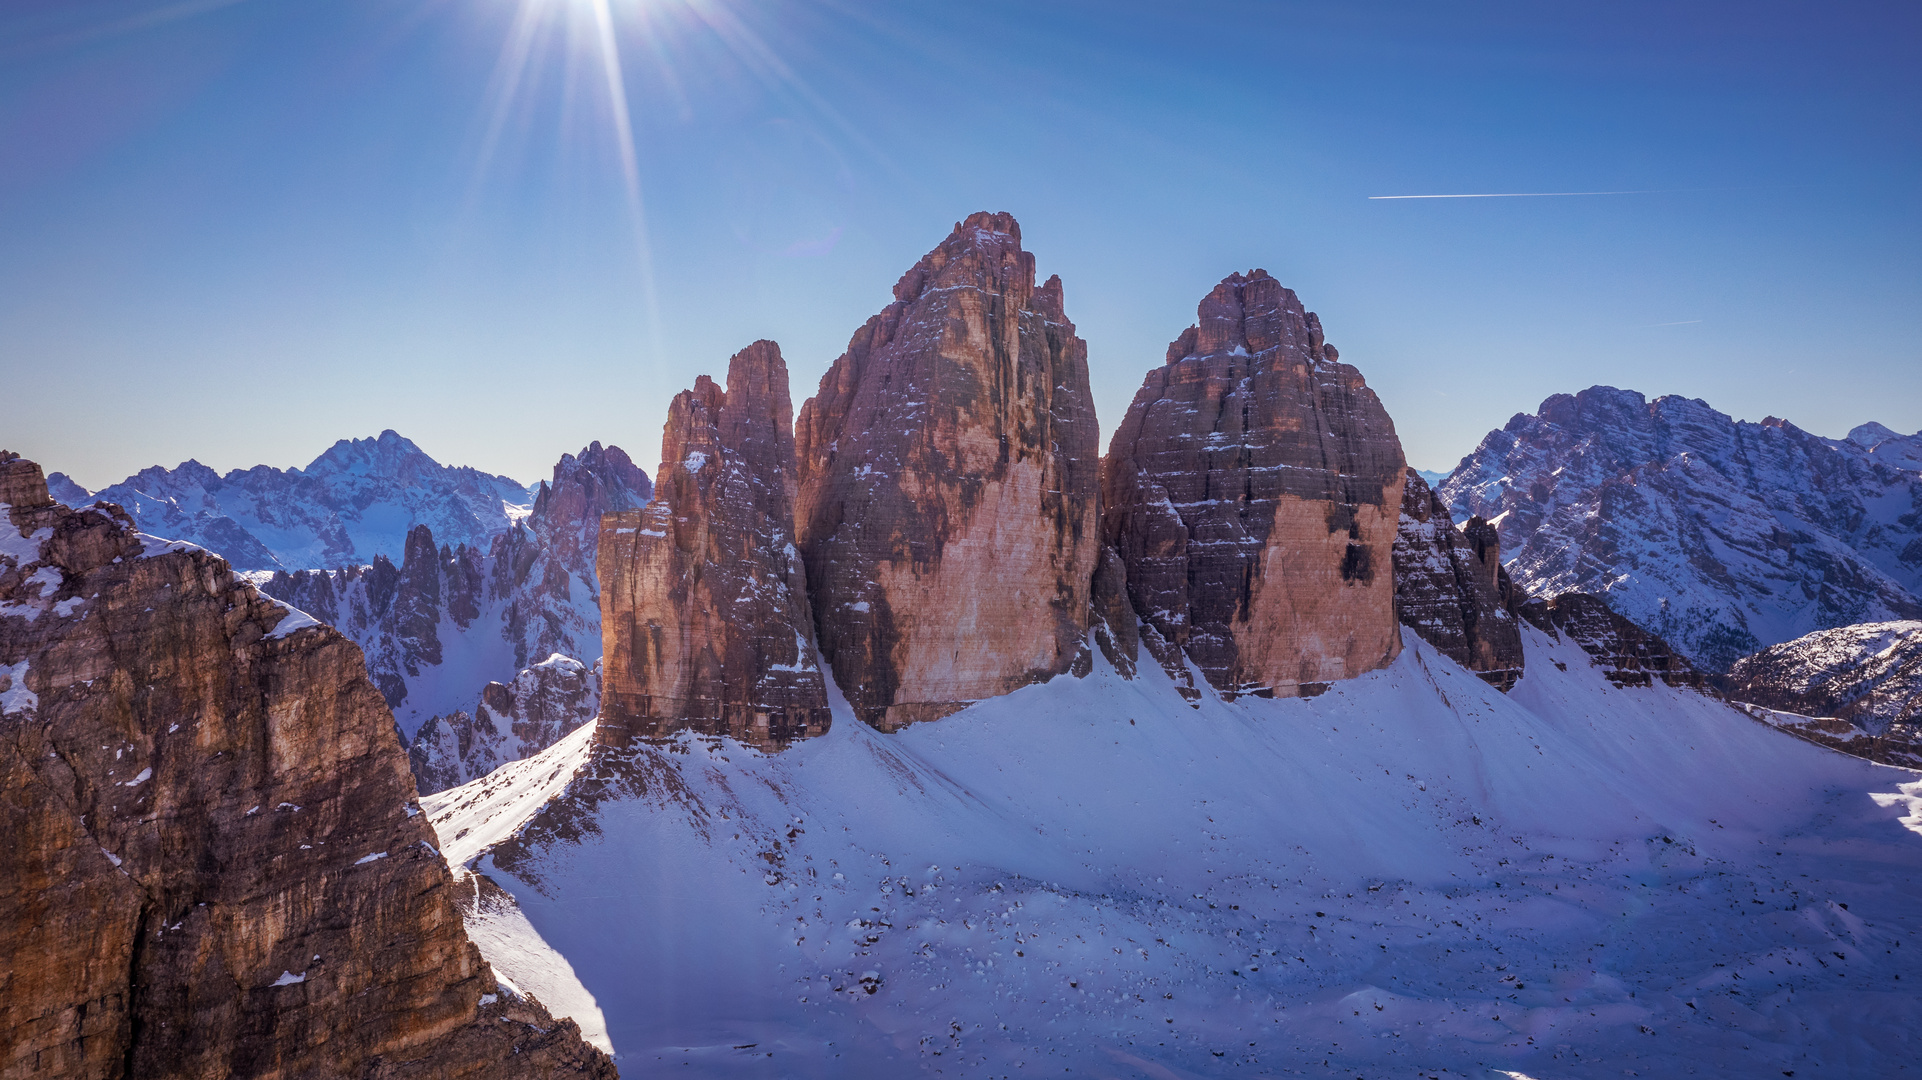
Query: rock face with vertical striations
pixel 1451 589
pixel 1252 493
pixel 949 477
pixel 704 606
pixel 214 862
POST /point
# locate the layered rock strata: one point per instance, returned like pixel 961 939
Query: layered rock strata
pixel 704 604
pixel 1855 688
pixel 1627 654
pixel 947 510
pixel 214 862
pixel 1451 589
pixel 1252 494
pixel 511 721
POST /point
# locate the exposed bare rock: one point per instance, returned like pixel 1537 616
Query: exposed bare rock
pixel 1627 654
pixel 214 862
pixel 510 721
pixel 947 508
pixel 1252 494
pixel 1722 536
pixel 1856 688
pixel 1451 589
pixel 704 607
pixel 448 620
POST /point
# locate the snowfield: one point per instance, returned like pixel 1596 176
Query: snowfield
pixel 1410 875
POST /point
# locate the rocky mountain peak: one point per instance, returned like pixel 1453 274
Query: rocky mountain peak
pixel 704 610
pixel 947 504
pixel 1252 494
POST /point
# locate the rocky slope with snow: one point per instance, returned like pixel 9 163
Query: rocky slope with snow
pixel 1717 535
pixel 1857 688
pixel 359 499
pixel 949 475
pixel 1251 493
pixel 510 721
pixel 450 619
pixel 1451 589
pixel 1410 874
pixel 214 862
pixel 704 603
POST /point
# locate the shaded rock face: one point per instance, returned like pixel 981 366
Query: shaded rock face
pixel 1856 688
pixel 1451 589
pixel 947 508
pixel 340 510
pixel 1627 654
pixel 449 619
pixel 1252 493
pixel 214 865
pixel 704 604
pixel 1720 536
pixel 511 721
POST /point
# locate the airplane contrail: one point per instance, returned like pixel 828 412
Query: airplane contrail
pixel 1518 194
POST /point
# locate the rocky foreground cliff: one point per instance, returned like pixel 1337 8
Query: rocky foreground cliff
pixel 948 486
pixel 1252 495
pixel 704 602
pixel 214 863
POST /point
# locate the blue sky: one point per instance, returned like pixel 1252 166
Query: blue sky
pixel 240 230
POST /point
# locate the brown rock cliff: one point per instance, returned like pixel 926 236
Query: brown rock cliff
pixel 1252 493
pixel 214 866
pixel 949 478
pixel 704 607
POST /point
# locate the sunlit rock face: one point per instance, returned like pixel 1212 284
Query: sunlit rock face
pixel 213 862
pixel 1451 589
pixel 704 609
pixel 1253 493
pixel 949 477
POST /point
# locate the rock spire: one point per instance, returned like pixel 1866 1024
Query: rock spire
pixel 1451 589
pixel 949 477
pixel 704 609
pixel 1252 494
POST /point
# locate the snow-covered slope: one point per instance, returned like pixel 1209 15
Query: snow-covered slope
pixel 358 500
pixel 1889 446
pixel 1719 536
pixel 1411 874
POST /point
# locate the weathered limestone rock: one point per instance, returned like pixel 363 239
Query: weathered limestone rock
pixel 511 721
pixel 1451 589
pixel 704 607
pixel 1627 654
pixel 214 866
pixel 947 508
pixel 1252 494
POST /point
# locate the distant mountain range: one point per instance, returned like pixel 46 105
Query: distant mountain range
pixel 1721 536
pixel 359 499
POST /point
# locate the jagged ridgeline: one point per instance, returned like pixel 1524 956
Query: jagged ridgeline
pixel 214 863
pixel 939 526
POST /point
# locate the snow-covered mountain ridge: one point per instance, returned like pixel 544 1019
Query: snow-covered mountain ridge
pixel 1720 536
pixel 357 500
pixel 1411 873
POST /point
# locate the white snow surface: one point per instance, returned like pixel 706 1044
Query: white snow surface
pixel 1411 874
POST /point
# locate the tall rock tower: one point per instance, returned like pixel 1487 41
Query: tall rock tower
pixel 1252 493
pixel 704 609
pixel 949 477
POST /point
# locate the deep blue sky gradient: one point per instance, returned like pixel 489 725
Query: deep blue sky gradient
pixel 239 231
